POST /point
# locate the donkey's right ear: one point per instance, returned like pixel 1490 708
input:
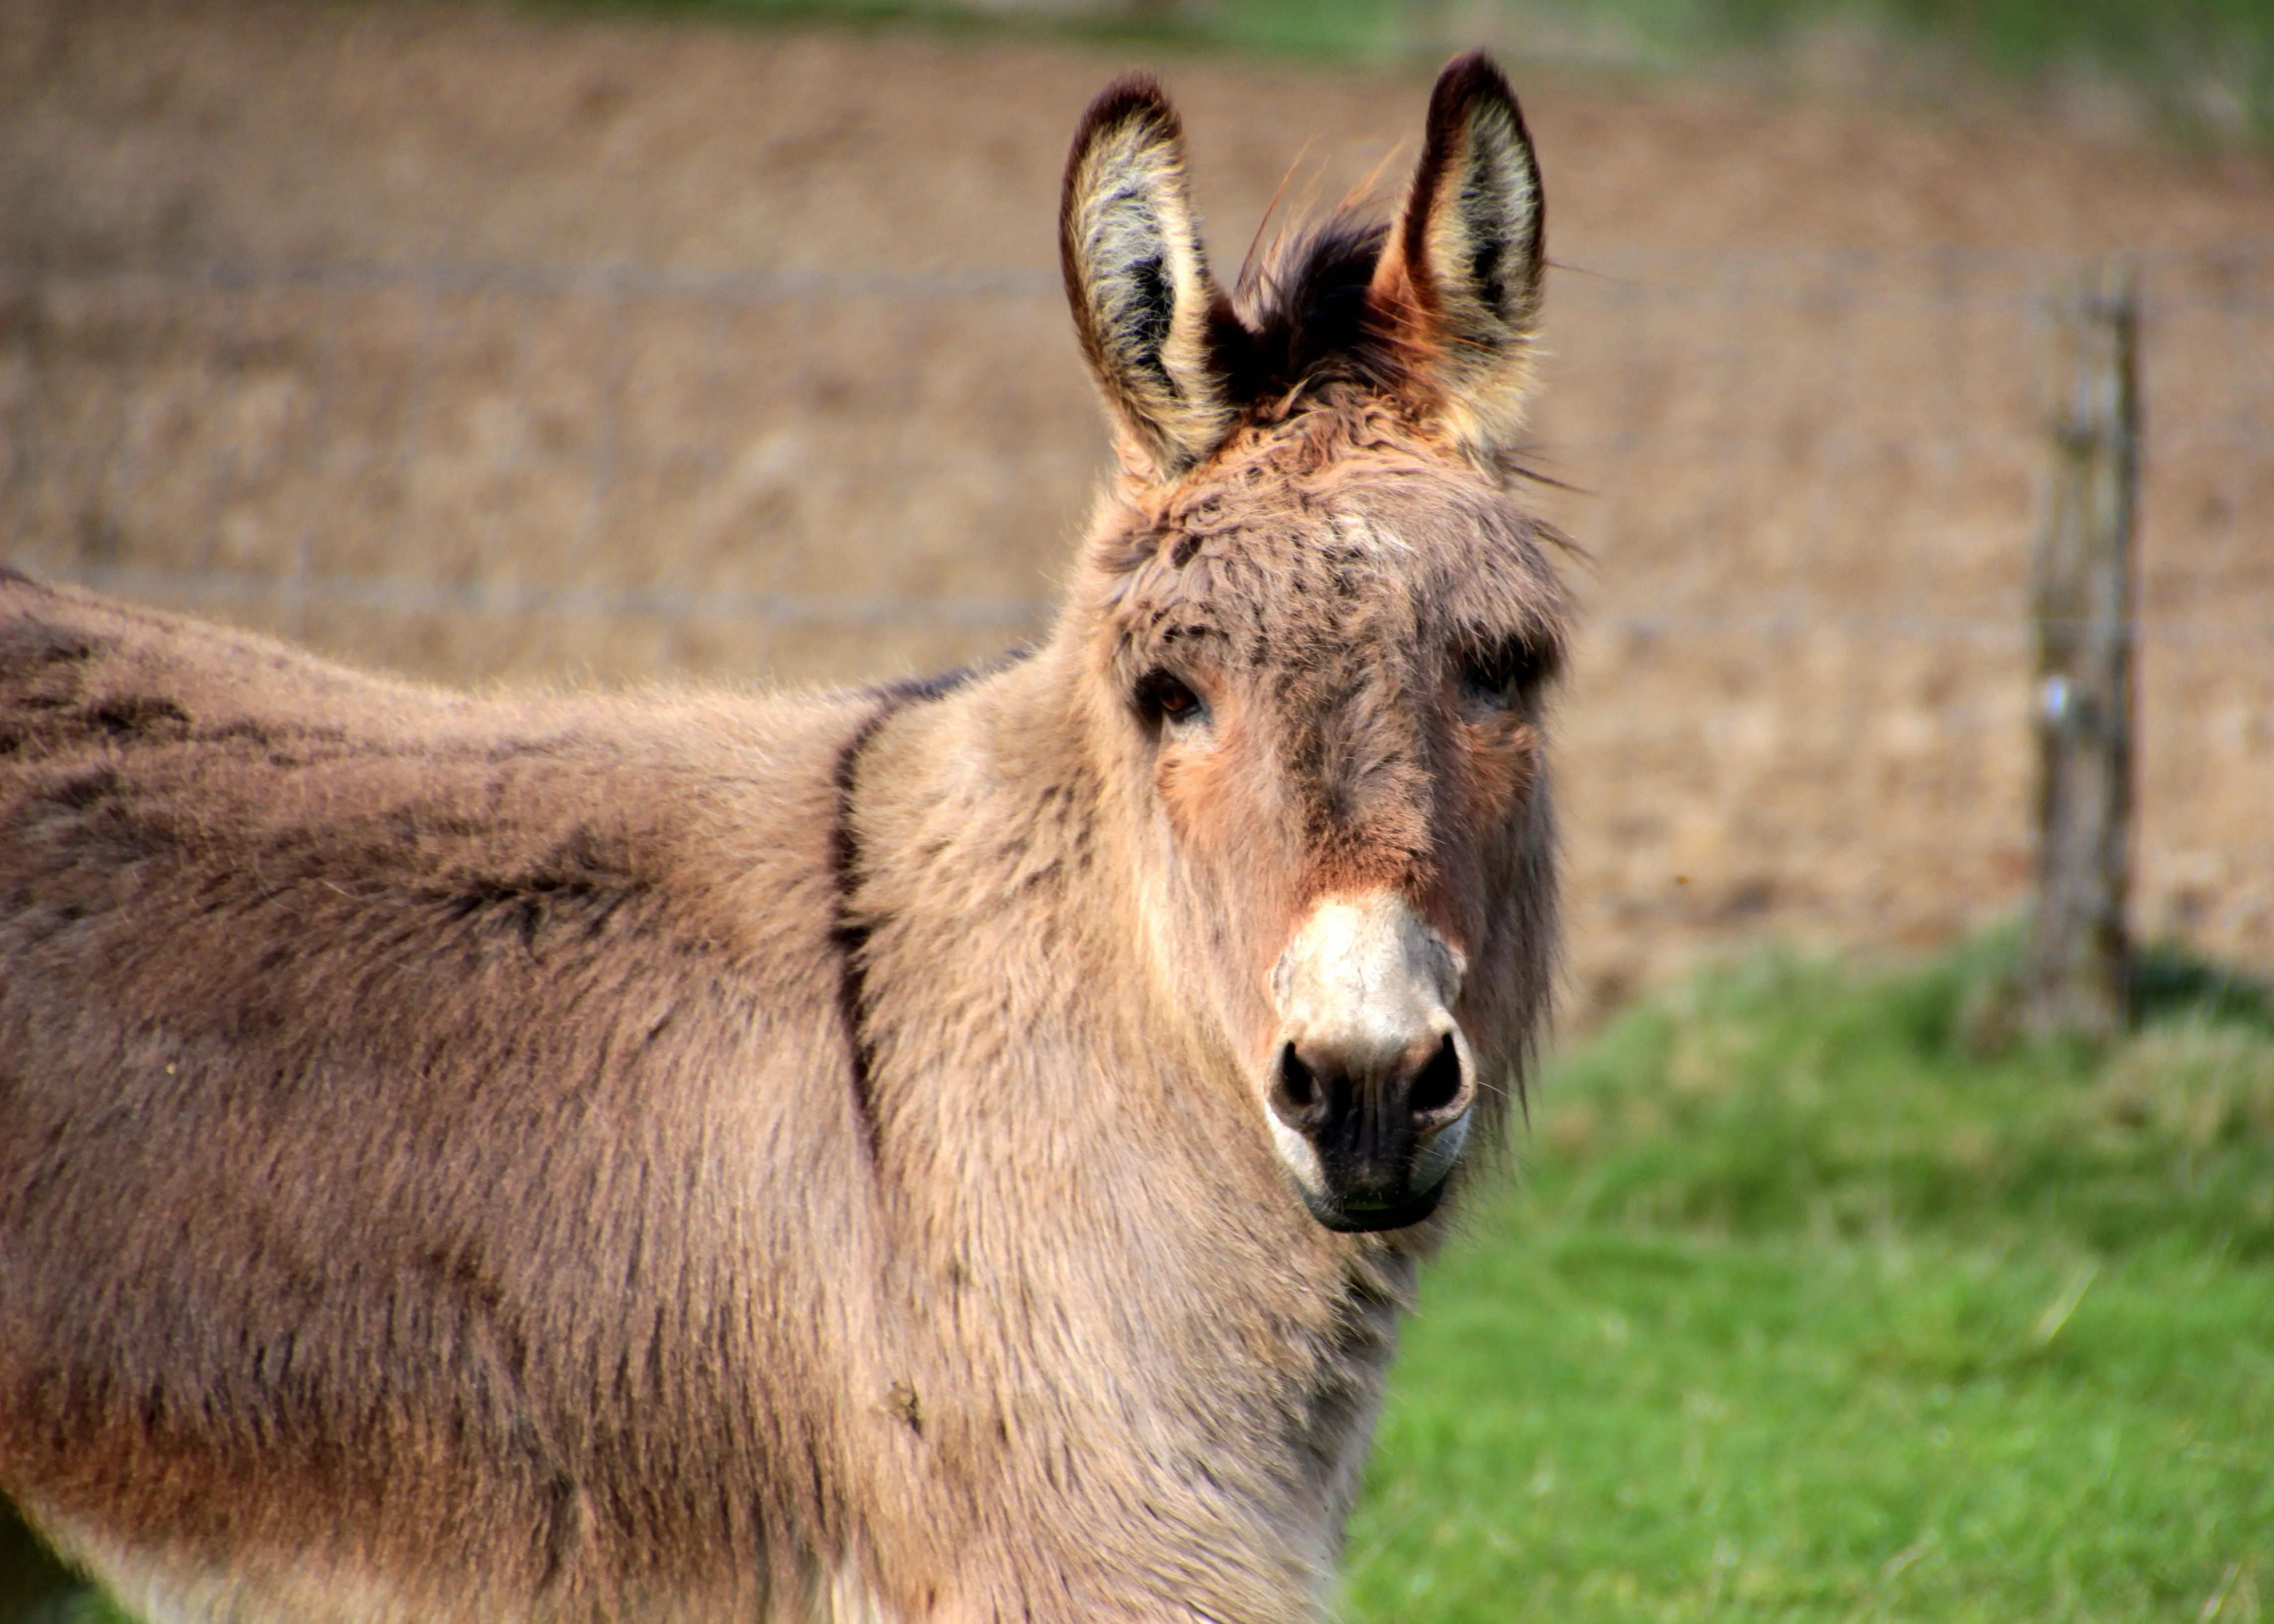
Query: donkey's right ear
pixel 1143 301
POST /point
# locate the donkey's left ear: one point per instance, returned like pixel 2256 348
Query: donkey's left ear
pixel 1458 282
pixel 1143 301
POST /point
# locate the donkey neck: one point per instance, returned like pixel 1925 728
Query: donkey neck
pixel 1081 1207
pixel 976 861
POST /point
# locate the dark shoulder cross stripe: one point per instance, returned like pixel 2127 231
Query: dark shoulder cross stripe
pixel 849 933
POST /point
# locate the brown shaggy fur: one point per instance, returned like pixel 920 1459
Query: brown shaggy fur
pixel 773 1158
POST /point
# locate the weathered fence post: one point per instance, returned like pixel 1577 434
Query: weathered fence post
pixel 2083 579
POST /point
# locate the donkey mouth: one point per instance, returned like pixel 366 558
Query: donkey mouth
pixel 1368 1216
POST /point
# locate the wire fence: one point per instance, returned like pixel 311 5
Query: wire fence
pixel 1805 483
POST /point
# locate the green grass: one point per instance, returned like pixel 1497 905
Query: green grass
pixel 1824 1298
pixel 2200 69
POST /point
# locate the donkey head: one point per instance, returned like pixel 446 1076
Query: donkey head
pixel 1314 630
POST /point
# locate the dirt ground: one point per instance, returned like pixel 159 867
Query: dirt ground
pixel 483 345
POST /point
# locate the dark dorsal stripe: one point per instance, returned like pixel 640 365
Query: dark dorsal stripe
pixel 849 933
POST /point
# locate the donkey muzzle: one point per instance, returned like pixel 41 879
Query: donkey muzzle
pixel 1370 1080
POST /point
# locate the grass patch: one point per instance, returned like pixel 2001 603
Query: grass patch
pixel 1826 1297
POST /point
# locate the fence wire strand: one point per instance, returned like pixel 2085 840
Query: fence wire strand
pixel 1807 482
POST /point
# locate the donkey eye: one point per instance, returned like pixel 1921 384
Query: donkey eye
pixel 1163 698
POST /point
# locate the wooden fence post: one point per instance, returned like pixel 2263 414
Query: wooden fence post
pixel 2083 579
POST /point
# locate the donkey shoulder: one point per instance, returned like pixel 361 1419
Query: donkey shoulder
pixel 528 1005
pixel 310 897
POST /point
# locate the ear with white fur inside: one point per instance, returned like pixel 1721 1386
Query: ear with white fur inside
pixel 1144 303
pixel 1460 280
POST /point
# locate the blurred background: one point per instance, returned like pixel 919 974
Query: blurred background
pixel 721 339
pixel 653 342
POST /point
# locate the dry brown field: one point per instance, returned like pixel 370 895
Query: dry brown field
pixel 481 346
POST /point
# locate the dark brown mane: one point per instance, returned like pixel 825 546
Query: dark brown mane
pixel 1301 317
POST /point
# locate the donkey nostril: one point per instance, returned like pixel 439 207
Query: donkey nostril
pixel 1296 1095
pixel 1438 1084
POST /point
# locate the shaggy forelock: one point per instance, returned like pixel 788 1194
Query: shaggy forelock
pixel 1333 536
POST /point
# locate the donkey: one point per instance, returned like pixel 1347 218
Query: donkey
pixel 951 1152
